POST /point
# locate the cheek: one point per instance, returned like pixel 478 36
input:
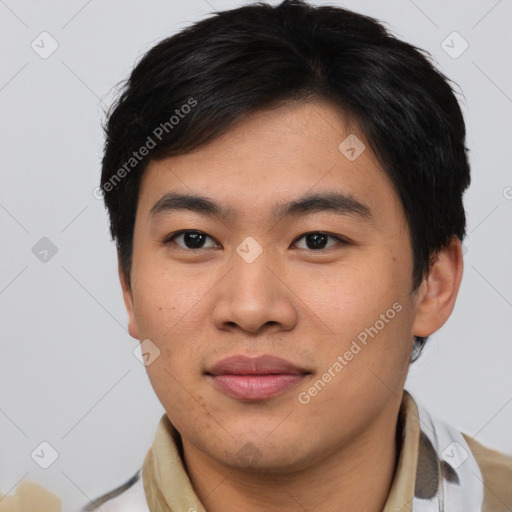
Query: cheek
pixel 175 374
pixel 366 313
pixel 362 369
pixel 169 318
pixel 348 299
pixel 167 300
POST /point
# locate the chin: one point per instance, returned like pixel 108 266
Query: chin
pixel 257 455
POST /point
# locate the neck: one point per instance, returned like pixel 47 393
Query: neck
pixel 355 477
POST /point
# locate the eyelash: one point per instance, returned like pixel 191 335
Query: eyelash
pixel 170 239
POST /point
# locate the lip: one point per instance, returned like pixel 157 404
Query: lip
pixel 255 378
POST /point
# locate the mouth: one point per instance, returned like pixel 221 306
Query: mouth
pixel 255 378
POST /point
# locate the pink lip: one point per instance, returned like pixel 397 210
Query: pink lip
pixel 254 378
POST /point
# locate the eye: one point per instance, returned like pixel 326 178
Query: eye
pixel 189 239
pixel 318 240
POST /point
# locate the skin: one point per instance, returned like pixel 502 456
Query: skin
pixel 304 305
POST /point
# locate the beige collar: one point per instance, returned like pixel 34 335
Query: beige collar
pixel 168 487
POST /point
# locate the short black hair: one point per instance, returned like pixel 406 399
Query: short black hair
pixel 192 87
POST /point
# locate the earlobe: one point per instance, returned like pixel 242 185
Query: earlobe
pixel 128 301
pixel 438 291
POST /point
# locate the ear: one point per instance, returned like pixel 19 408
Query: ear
pixel 438 291
pixel 128 301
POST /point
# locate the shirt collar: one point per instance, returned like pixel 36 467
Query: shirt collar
pixel 401 494
pixel 174 488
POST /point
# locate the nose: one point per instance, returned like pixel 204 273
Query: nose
pixel 253 297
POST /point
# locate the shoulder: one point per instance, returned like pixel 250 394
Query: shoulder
pixel 27 494
pixel 128 497
pixel 496 469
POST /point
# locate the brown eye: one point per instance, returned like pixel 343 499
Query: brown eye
pixel 190 239
pixel 318 240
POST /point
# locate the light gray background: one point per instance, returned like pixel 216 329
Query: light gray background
pixel 67 369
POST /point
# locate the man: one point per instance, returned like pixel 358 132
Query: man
pixel 285 188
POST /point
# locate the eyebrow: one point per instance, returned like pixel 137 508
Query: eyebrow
pixel 341 204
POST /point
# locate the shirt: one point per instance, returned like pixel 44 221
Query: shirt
pixel 439 469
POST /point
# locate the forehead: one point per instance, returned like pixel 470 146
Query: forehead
pixel 272 156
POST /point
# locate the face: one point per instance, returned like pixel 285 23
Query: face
pixel 284 325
